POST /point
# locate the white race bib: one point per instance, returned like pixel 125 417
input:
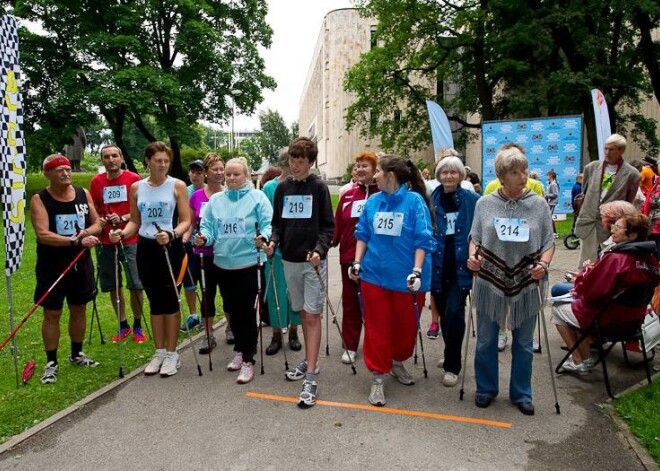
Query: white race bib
pixel 357 208
pixel 451 223
pixel 388 223
pixel 297 207
pixel 511 229
pixel 232 228
pixel 115 194
pixel 202 207
pixel 151 212
pixel 69 224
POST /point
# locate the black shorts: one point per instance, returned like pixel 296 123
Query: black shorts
pixel 155 274
pixel 77 286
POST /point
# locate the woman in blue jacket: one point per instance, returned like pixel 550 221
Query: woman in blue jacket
pixel 392 258
pixel 451 280
pixel 228 224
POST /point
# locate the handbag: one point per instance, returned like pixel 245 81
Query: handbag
pixel 651 330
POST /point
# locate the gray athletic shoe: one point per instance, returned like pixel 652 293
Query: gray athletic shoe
pixel 307 396
pixel 50 373
pixel 400 373
pixel 83 360
pixel 298 372
pixel 377 394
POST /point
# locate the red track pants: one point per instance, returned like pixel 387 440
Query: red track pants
pixel 390 326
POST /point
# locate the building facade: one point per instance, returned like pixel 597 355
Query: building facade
pixel 344 36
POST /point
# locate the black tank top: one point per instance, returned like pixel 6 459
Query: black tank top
pixel 64 218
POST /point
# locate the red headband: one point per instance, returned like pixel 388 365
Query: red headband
pixel 56 162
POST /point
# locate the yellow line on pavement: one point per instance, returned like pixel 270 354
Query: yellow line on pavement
pixel 387 410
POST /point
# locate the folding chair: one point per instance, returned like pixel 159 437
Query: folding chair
pixel 635 296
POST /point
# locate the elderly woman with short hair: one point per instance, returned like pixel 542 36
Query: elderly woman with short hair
pixel 511 246
pixel 450 279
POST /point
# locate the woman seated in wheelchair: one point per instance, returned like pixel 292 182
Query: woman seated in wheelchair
pixel 628 271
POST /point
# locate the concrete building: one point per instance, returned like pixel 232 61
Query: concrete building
pixel 344 36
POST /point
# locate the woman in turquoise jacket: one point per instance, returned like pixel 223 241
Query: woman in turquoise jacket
pixel 393 261
pixel 236 222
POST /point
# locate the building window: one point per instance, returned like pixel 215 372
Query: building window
pixel 373 40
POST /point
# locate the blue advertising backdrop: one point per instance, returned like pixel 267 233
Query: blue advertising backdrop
pixel 549 143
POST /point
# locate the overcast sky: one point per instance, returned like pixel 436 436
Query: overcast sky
pixel 296 26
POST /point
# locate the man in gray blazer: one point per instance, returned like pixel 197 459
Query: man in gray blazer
pixel 609 180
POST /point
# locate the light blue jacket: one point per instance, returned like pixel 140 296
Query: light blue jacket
pixel 228 224
pixel 390 259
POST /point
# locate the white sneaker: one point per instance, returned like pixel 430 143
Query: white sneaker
pixel 236 363
pixel 582 369
pixel 247 373
pixel 171 364
pixel 156 362
pixel 449 379
pixel 501 341
pixel 377 394
pixel 536 347
pixel 399 372
pixel 348 357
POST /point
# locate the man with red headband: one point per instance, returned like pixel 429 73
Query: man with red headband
pixel 65 222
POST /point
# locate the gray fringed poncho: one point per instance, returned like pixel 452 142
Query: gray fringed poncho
pixel 504 289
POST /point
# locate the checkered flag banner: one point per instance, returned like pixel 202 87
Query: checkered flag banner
pixel 12 145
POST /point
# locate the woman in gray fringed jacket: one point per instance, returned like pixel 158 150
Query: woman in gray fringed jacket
pixel 511 246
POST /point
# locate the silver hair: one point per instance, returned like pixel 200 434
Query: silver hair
pixel 618 140
pixel 450 163
pixel 509 158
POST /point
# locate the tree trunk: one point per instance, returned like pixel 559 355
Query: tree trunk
pixel 177 170
pixel 116 122
pixel 650 50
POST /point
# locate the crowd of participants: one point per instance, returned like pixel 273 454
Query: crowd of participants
pixel 400 233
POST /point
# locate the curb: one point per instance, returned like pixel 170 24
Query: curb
pixel 53 419
pixel 624 432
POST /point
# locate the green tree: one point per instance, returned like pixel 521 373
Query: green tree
pixel 174 60
pixel 273 136
pixel 512 59
pixel 251 147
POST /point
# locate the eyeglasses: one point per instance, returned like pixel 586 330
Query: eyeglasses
pixel 618 227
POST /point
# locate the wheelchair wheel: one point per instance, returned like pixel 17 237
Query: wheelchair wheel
pixel 571 241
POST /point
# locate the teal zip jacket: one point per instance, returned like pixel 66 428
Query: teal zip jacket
pixel 228 224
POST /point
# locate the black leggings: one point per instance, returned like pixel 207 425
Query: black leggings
pixel 239 292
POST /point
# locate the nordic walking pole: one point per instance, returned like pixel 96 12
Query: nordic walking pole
pixel 258 300
pixel 207 327
pixel 467 337
pixel 118 303
pixel 467 342
pixel 334 317
pixel 95 313
pixel 538 325
pixel 547 345
pixel 277 305
pixel 41 300
pixel 178 298
pixel 419 331
pixel 327 327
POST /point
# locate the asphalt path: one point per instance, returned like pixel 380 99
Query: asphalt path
pixel 210 422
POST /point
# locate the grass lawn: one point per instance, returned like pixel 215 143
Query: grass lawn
pixel 640 411
pixel 22 407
